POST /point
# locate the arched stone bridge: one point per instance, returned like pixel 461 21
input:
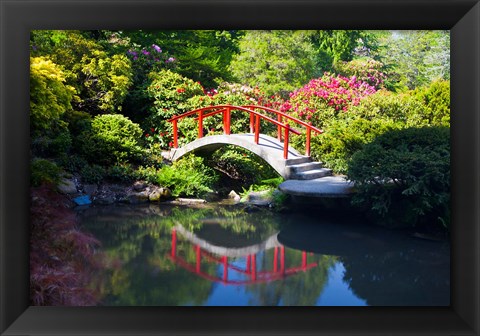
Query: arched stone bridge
pixel 277 152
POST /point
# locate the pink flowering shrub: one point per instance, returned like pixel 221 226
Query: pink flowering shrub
pixel 324 98
pixel 365 70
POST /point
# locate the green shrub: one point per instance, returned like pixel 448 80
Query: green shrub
pixel 170 93
pixel 43 171
pixel 342 139
pixel 78 122
pixel 399 107
pixel 148 173
pixel 403 176
pixel 72 163
pixel 108 75
pixel 113 138
pixel 92 174
pixel 436 99
pixel 188 176
pixel 122 173
pixel 54 142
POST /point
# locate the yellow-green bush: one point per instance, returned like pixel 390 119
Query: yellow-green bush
pixel 436 98
pixel 50 97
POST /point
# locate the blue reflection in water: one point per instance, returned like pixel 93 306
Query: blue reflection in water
pixel 337 292
pixel 221 256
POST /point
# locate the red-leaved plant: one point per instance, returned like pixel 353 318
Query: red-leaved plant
pixel 61 256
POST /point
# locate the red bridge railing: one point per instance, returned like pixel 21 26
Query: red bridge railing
pixel 281 121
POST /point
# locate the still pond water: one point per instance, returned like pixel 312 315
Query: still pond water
pixel 221 255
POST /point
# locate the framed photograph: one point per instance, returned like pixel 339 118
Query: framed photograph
pixel 242 299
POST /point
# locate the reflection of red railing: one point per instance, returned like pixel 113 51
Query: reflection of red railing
pixel 279 271
pixel 255 118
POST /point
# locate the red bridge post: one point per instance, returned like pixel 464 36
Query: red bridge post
pixel 282 260
pixel 279 128
pixel 175 133
pixel 198 259
pixel 254 267
pixel 285 142
pixel 307 145
pixel 200 124
pixel 225 268
pixel 252 128
pixel 257 128
pixel 226 121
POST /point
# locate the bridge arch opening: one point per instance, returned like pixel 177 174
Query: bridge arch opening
pixel 238 168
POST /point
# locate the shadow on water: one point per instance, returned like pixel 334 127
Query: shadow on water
pixel 385 267
pixel 223 255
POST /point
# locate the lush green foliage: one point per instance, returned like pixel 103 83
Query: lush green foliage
pixel 43 171
pixel 169 93
pixel 403 108
pixel 242 165
pixel 153 75
pixel 92 174
pixel 123 172
pixel 202 55
pixel 106 82
pixel 405 174
pixel 344 138
pixel 414 58
pixel 382 98
pixel 188 176
pixel 54 142
pixel 334 46
pixel 275 60
pixel 112 138
pixel 50 97
pixel 436 99
pixel 101 80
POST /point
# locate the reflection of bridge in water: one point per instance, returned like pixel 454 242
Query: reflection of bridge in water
pixel 206 251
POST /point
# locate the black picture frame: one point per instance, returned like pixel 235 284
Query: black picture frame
pixel 19 17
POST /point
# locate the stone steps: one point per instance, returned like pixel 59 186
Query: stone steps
pixel 298 160
pixel 311 174
pixel 298 168
pixel 306 170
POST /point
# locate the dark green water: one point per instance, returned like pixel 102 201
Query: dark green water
pixel 167 255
